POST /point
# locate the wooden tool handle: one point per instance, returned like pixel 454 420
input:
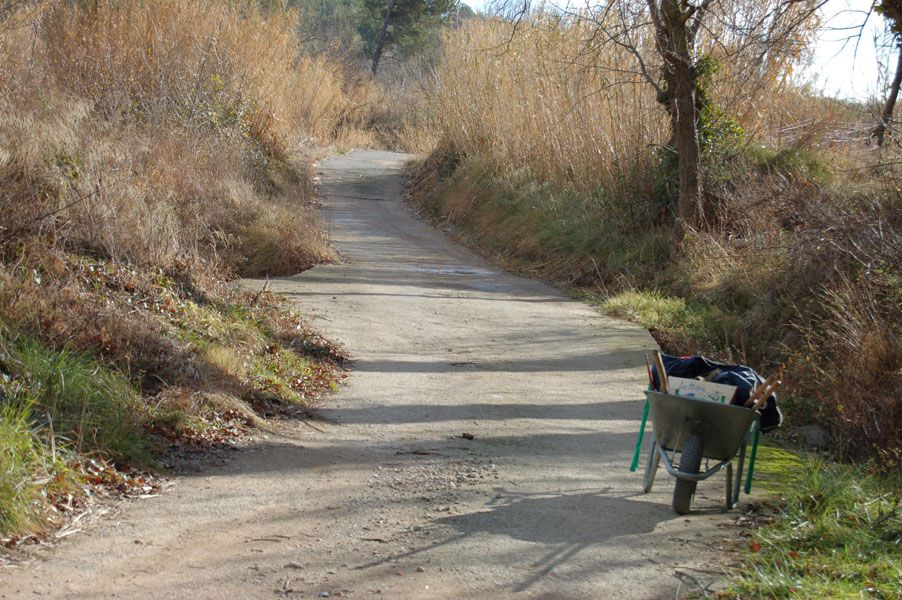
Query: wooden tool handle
pixel 759 390
pixel 651 380
pixel 762 400
pixel 766 390
pixel 662 375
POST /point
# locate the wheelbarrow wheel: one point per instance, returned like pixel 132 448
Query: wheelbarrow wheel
pixel 690 462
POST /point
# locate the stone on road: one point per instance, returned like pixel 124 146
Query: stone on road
pixel 386 496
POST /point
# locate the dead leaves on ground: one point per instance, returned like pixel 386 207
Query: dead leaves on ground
pixel 85 482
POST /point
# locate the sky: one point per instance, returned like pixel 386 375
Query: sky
pixel 839 67
pixel 842 69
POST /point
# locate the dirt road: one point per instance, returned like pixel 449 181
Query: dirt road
pixel 385 498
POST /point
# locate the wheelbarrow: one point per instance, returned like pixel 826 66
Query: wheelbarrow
pixel 698 430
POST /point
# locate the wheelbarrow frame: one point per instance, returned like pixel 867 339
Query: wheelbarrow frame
pixel 715 431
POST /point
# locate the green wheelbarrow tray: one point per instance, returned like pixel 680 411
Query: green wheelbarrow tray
pixel 697 429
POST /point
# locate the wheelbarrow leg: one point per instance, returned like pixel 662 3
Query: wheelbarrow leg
pixel 729 486
pixel 651 467
pixel 739 470
pixel 756 432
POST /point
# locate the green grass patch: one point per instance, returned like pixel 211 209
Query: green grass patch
pixel 281 373
pixel 83 404
pixel 542 228
pixel 838 534
pixel 240 345
pixel 21 456
pixel 32 470
pixel 791 161
pixel 682 325
pixel 776 468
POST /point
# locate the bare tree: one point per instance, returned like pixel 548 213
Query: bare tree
pixel 755 32
pixel 669 40
pixel 676 24
pixel 886 116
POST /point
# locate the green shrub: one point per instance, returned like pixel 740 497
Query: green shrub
pixel 791 161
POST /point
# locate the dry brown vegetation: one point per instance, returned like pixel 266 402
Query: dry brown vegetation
pixel 174 130
pixel 149 152
pixel 535 106
pixel 549 159
pixel 152 150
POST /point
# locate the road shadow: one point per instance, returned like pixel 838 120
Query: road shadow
pixel 385 278
pixel 589 361
pixel 570 519
pixel 293 458
pixel 502 411
pixel 565 524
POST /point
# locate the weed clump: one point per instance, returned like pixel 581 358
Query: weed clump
pixel 21 459
pixel 85 405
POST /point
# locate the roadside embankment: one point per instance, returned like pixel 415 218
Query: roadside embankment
pixel 150 152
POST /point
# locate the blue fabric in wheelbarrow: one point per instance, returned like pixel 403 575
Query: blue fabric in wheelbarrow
pixel 743 377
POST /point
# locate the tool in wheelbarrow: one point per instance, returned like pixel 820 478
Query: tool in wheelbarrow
pixel 707 421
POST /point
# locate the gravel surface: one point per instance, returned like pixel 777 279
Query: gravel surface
pixel 480 449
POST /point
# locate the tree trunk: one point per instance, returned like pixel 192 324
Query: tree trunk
pixel 383 35
pixel 675 44
pixel 684 122
pixel 887 116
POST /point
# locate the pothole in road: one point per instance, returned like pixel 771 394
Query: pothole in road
pixel 453 270
pixel 491 287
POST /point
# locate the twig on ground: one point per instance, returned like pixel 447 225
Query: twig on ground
pixel 260 293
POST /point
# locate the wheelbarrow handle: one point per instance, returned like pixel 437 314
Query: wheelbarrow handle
pixel 756 427
pixel 638 450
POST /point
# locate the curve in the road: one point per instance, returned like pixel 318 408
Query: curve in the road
pixel 385 496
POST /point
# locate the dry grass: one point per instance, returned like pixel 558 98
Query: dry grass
pixel 857 377
pixel 155 132
pixel 536 107
pixel 210 63
pixel 149 152
pixel 543 99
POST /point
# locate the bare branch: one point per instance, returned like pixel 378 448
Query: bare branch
pixel 517 19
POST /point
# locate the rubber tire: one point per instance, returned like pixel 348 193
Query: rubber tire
pixel 690 462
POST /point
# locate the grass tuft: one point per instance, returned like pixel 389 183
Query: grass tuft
pixel 21 458
pixel 83 404
pixel 837 535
